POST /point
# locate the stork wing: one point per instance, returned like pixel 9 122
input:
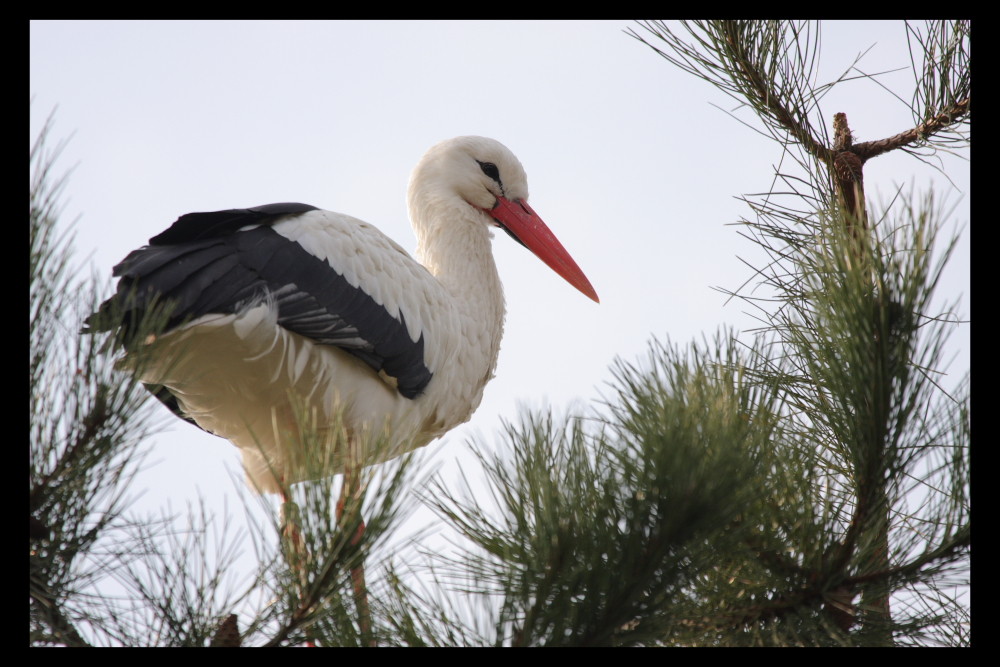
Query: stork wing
pixel 346 294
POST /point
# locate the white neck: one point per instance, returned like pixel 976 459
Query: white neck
pixel 455 245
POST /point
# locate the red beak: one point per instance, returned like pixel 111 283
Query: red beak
pixel 521 222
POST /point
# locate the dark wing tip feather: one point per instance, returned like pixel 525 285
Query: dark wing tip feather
pixel 213 224
pixel 177 265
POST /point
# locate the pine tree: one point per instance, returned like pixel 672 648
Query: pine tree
pixel 85 424
pixel 806 483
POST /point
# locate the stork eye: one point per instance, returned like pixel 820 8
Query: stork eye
pixel 490 170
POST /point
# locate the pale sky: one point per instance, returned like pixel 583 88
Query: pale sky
pixel 628 161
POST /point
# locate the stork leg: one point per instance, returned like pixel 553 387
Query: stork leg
pixel 350 490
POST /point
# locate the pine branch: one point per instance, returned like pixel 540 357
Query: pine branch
pixel 844 312
pixel 740 57
pixel 921 133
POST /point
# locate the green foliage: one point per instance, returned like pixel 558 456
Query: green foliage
pixel 849 335
pixel 85 424
pixel 603 525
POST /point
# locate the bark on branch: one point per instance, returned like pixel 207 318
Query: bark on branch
pixel 922 132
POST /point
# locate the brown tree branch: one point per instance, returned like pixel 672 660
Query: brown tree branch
pixel 848 172
pixel 922 132
pixel 228 634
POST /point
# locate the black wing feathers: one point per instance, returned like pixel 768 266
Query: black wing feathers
pixel 203 264
pixel 197 226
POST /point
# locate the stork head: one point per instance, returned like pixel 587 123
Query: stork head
pixel 476 180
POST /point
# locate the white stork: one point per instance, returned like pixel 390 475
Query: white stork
pixel 285 305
